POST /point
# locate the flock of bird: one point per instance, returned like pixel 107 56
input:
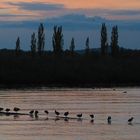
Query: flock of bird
pixel 16 109
pixel 79 116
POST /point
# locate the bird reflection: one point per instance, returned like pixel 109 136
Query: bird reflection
pixel 66 119
pixel 47 119
pixel 16 116
pixel 92 121
pixel 57 119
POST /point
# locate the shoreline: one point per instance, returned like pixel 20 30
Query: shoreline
pixel 65 86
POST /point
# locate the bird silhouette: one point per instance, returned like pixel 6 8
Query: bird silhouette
pixel 31 112
pixel 109 119
pixel 16 109
pixel 130 120
pixel 92 116
pixel 46 111
pixel 57 113
pixel 1 109
pixel 7 110
pixel 79 115
pixel 36 114
pixel 66 114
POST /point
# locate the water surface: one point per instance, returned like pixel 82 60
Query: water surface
pixel 101 102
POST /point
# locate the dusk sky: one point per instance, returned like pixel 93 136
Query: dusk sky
pixel 22 17
pixel 34 9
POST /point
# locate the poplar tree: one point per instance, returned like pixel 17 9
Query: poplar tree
pixel 104 44
pixel 57 40
pixel 41 39
pixel 17 49
pixel 87 46
pixel 72 46
pixel 33 44
pixel 114 41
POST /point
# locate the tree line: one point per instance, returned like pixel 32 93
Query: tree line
pixel 110 65
pixel 37 44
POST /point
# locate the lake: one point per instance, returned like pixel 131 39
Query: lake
pixel 119 103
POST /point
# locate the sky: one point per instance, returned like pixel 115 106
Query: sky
pixel 40 9
pixel 80 19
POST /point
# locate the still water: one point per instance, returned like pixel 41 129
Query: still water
pixel 118 104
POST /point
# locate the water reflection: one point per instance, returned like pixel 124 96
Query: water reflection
pixel 66 119
pixel 16 116
pixel 102 101
pixel 46 119
pixel 57 119
pixel 92 121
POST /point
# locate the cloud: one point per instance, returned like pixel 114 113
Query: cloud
pixel 37 6
pixel 125 12
pixel 102 12
pixel 40 10
pixel 73 22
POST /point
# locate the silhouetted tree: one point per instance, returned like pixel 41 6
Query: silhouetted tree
pixel 72 46
pixel 41 39
pixel 17 46
pixel 57 40
pixel 87 46
pixel 104 44
pixel 114 41
pixel 33 44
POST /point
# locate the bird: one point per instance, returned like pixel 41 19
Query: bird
pixel 16 109
pixel 109 119
pixel 92 116
pixel 36 113
pixel 79 115
pixel 130 120
pixel 31 112
pixel 1 109
pixel 7 110
pixel 57 113
pixel 66 114
pixel 46 111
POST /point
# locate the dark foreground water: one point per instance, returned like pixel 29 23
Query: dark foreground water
pixel 102 102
